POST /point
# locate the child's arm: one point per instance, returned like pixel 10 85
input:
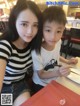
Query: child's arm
pixel 43 74
pixel 61 71
pixel 62 59
pixel 69 61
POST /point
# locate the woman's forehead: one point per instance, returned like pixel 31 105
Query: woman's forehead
pixel 27 15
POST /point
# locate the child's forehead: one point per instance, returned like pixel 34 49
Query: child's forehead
pixel 53 23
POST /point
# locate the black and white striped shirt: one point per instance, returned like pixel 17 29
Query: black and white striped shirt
pixel 18 61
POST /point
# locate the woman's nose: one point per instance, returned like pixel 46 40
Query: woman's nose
pixel 30 29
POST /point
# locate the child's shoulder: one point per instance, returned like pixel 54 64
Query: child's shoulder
pixel 33 52
pixel 59 43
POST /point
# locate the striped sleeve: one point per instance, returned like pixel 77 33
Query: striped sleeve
pixel 5 49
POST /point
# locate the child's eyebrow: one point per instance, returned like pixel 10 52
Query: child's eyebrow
pixel 60 28
pixel 47 26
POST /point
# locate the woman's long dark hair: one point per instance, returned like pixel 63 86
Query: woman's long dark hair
pixel 11 33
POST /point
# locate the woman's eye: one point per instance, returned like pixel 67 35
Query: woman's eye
pixel 35 26
pixel 23 24
pixel 47 30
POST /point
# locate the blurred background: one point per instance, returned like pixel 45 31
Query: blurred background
pixel 74 10
pixel 73 22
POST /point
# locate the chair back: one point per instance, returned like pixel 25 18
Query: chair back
pixel 75 33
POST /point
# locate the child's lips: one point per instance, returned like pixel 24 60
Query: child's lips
pixel 52 41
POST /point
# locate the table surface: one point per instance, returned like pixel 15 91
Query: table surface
pixel 75 87
pixel 53 93
pixel 69 84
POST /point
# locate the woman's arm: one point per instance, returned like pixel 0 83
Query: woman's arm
pixel 2 71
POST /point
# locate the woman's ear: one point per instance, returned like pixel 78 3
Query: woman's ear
pixel 42 39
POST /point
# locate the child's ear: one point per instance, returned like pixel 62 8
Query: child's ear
pixel 64 27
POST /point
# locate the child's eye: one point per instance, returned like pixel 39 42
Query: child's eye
pixel 59 32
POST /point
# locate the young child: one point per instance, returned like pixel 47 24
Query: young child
pixel 46 64
pixel 22 35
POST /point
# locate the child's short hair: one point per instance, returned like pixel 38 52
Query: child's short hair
pixel 54 13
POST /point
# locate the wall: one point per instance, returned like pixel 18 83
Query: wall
pixel 73 11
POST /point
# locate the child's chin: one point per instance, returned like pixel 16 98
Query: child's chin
pixel 52 45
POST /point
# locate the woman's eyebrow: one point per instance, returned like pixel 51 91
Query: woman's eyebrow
pixel 28 22
pixel 25 21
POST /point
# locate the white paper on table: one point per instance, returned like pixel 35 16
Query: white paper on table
pixel 75 70
pixel 74 77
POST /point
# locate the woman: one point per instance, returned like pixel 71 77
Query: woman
pixel 15 49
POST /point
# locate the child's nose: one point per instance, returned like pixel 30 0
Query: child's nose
pixel 53 36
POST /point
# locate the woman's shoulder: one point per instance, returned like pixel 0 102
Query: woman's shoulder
pixel 5 49
pixel 5 42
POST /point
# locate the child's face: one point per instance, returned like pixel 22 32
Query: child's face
pixel 27 25
pixel 52 32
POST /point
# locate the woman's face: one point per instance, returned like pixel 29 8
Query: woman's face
pixel 27 25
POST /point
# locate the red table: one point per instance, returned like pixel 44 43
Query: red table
pixel 51 96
